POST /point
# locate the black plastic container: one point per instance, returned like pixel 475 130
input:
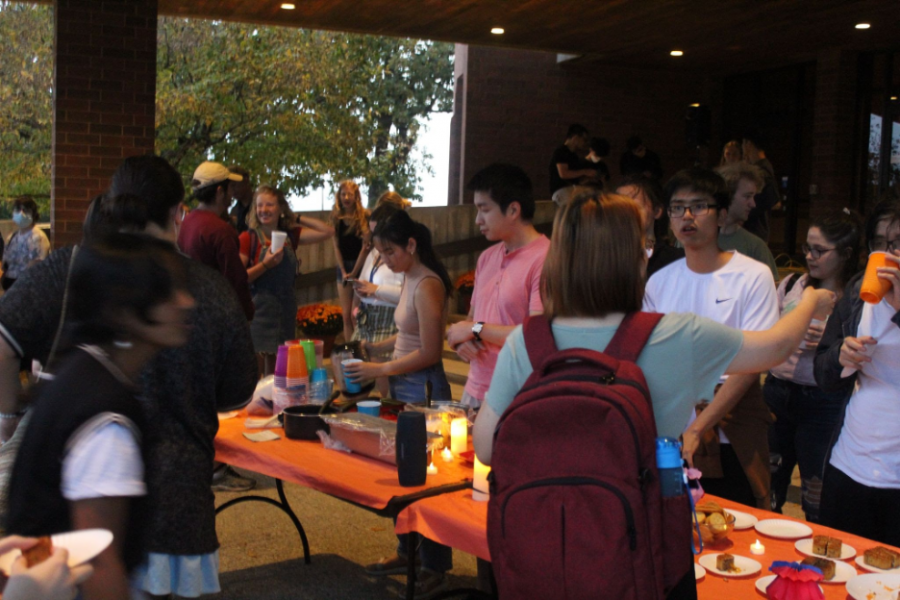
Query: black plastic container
pixel 303 422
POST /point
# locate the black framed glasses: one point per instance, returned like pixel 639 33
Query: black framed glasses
pixel 697 209
pixel 883 245
pixel 815 251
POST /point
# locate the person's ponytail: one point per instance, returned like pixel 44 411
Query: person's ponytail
pixel 428 257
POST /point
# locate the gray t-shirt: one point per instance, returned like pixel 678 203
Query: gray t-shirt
pixel 682 363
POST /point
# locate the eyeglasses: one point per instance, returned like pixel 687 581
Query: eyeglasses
pixel 697 209
pixel 814 251
pixel 883 245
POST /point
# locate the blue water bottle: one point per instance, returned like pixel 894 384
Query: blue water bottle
pixel 668 461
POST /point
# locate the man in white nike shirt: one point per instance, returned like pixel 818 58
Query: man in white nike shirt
pixel 728 443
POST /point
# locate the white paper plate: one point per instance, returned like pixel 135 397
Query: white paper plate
pixel 842 573
pixel 762 584
pixel 861 561
pixel 805 547
pixel 224 416
pixel 699 572
pixel 742 520
pixel 82 546
pixel 783 529
pixel 747 566
pixel 874 586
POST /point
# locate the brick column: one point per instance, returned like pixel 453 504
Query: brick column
pixel 104 109
pixel 833 140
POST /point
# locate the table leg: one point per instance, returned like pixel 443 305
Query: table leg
pixel 282 505
pixel 412 550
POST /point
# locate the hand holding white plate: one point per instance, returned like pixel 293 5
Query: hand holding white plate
pixel 861 561
pixel 742 520
pixel 83 545
pixel 783 529
pixel 874 586
pixel 744 567
pixel 805 547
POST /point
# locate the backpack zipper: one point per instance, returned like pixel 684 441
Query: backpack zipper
pixel 574 481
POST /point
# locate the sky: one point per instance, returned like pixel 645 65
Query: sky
pixel 434 139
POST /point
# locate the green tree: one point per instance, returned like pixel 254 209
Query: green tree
pixel 295 107
pixel 26 111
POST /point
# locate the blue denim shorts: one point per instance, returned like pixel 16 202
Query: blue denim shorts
pixel 410 387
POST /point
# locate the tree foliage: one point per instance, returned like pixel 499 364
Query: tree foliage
pixel 26 102
pixel 296 107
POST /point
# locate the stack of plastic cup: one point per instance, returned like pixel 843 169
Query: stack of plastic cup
pixel 319 390
pixel 297 375
pixel 280 400
pixel 309 350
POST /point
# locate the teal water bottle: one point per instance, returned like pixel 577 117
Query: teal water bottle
pixel 668 462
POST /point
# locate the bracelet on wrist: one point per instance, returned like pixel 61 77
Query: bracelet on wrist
pixel 16 415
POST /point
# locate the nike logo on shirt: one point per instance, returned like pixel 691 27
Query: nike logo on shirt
pixel 723 300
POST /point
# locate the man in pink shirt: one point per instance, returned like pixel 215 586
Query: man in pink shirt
pixel 507 277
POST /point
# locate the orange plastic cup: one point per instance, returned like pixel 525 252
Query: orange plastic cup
pixel 296 367
pixel 873 287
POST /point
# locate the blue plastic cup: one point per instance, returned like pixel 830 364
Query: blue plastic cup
pixel 351 387
pixel 317 375
pixel 369 407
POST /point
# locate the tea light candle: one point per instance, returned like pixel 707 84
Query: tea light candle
pixel 459 436
pixel 480 489
pixel 432 470
pixel 757 548
pixel 447 455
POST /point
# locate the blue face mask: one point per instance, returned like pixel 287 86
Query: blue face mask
pixel 21 219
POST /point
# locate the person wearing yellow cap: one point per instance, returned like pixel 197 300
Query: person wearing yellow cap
pixel 206 235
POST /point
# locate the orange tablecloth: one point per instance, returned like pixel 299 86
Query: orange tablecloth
pixel 458 521
pixel 352 477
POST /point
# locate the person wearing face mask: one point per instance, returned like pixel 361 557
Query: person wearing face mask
pixel 27 245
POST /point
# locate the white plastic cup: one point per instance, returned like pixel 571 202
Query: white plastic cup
pixel 278 238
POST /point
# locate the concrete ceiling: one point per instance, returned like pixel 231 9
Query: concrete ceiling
pixel 719 35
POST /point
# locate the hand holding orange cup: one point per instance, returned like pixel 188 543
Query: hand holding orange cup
pixel 874 288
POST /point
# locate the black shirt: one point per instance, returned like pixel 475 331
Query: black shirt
pixel 649 164
pixel 563 155
pixel 239 214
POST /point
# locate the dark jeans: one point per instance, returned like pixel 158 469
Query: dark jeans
pixel 859 509
pixel 805 421
pixel 435 557
pixel 734 485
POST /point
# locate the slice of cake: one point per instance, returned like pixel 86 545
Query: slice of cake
pixel 835 545
pixel 823 564
pixel 39 552
pixel 879 557
pixel 820 544
pixel 725 562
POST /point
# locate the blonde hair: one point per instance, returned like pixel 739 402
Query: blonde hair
pixel 286 215
pixel 359 224
pixel 394 199
pixel 731 144
pixel 595 263
pixel 734 173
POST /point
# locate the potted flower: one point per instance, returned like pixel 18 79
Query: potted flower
pixel 320 321
pixel 465 285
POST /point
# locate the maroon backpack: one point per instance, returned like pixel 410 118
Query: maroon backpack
pixel 575 509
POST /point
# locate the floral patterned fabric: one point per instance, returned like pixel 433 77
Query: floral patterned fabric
pixel 22 248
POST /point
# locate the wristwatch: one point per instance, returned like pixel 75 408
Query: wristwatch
pixel 476 330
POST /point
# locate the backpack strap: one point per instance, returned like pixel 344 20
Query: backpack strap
pixel 539 340
pixel 631 336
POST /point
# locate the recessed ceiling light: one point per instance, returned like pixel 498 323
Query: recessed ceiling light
pixel 287 6
pixel 676 53
pixel 498 31
pixel 863 25
pixel 695 105
pixel 894 98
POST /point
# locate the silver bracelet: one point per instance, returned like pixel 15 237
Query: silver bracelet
pixel 15 415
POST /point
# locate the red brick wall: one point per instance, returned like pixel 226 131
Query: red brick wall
pixel 833 139
pixel 105 83
pixel 518 105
